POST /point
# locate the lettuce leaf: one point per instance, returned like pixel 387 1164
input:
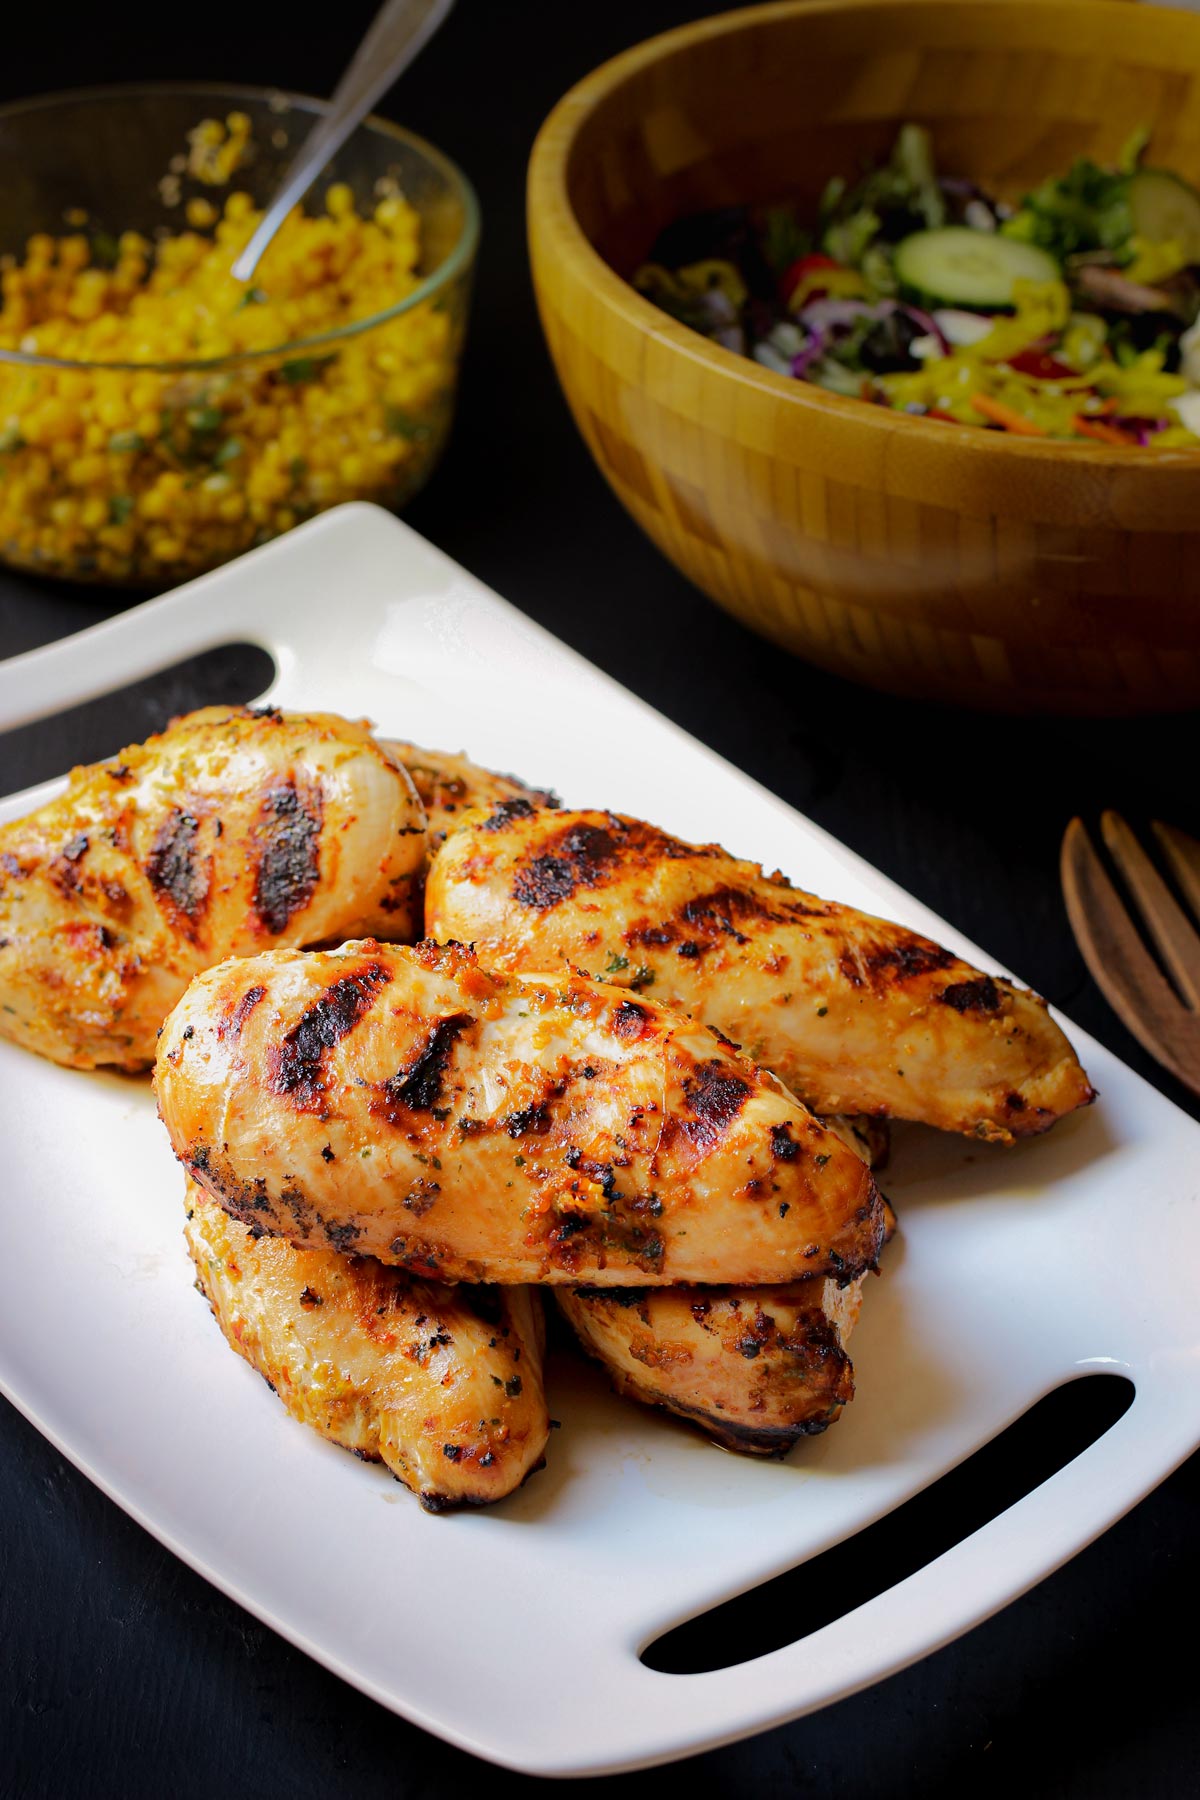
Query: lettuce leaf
pixel 1086 209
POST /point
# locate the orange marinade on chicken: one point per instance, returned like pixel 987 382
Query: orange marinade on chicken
pixel 236 829
pixel 855 1014
pixel 442 1384
pixel 756 1368
pixel 406 1104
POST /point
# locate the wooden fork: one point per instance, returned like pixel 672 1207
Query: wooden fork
pixel 1162 1014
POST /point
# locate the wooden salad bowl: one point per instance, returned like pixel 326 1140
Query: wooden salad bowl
pixel 938 560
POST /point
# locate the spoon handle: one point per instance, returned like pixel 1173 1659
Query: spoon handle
pixel 398 31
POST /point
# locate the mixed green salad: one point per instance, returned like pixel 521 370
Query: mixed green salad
pixel 1071 315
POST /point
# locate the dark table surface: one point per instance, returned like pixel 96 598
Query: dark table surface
pixel 121 1672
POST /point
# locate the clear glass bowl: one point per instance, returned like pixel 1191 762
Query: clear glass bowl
pixel 144 472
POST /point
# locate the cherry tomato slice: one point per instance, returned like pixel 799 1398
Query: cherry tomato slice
pixel 795 272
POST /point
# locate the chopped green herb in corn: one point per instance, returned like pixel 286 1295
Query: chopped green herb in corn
pixel 146 473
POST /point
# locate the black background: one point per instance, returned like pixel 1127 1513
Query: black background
pixel 121 1672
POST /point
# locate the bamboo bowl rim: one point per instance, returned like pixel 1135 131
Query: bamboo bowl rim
pixel 549 202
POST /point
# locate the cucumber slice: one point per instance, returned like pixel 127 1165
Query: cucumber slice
pixel 960 267
pixel 1166 210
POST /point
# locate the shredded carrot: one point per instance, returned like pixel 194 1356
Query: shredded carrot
pixel 1103 434
pixel 949 418
pixel 1003 415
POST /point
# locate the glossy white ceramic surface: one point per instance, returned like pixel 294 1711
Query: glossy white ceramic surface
pixel 1013 1271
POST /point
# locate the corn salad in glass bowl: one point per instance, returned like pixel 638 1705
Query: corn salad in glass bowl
pixel 157 416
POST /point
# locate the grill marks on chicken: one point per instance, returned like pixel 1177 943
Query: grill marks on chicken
pixel 179 878
pixel 444 1385
pixel 296 1064
pixel 417 1087
pixel 230 1026
pixel 234 830
pixel 289 857
pixel 854 1013
pixel 409 1105
pixel 582 857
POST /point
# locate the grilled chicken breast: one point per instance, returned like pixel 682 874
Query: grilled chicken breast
pixel 404 1103
pixel 855 1014
pixel 448 785
pixel 443 1384
pixel 756 1368
pixel 234 830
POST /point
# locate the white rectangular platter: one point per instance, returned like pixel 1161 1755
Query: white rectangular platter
pixel 1013 1272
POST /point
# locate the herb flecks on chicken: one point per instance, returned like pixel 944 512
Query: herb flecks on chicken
pixel 854 1013
pixel 755 1368
pixel 483 1127
pixel 441 1384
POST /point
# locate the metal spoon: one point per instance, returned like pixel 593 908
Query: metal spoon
pixel 399 30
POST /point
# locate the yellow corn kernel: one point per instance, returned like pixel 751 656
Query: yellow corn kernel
pixel 87 471
pixel 72 385
pixel 52 419
pixel 74 253
pixel 112 410
pixel 88 295
pixel 143 393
